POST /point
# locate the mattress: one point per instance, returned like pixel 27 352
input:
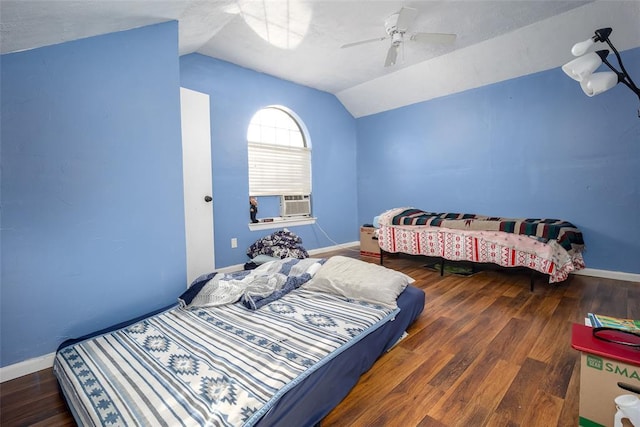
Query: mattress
pixel 276 371
pixel 537 252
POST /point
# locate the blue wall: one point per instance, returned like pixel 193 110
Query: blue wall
pixel 236 94
pixel 92 213
pixel 534 146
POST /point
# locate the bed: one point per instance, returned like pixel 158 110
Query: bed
pixel 550 246
pixel 263 360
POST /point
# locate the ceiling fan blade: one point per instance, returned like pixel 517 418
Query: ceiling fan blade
pixel 434 38
pixel 406 16
pixel 364 42
pixel 392 55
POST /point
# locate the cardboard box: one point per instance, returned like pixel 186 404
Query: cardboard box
pixel 369 246
pixel 602 366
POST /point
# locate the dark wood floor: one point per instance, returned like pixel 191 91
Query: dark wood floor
pixel 485 352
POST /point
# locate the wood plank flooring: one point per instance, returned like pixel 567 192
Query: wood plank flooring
pixel 485 352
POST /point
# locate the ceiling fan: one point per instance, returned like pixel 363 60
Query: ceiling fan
pixel 397 28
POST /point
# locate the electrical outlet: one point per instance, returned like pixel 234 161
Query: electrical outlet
pixel 234 243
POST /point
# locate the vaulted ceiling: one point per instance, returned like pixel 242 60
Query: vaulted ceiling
pixel 301 40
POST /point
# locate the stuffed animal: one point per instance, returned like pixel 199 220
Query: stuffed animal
pixel 253 209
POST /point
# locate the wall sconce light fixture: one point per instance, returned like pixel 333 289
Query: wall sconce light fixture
pixel 582 68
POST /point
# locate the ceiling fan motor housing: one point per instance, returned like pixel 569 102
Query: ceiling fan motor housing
pixel 396 38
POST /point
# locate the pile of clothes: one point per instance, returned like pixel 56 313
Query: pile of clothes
pixel 279 245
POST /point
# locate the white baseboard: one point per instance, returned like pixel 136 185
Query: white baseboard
pixel 335 248
pixel 26 367
pixel 607 274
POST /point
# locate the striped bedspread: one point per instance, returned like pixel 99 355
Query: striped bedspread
pixel 221 366
pixel 565 233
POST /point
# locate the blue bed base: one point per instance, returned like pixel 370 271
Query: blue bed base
pixel 309 402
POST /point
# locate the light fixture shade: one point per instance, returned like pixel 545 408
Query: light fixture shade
pixel 581 47
pixel 582 67
pixel 597 83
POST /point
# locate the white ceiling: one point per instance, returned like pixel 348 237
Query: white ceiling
pixel 300 40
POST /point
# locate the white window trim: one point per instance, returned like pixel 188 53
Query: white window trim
pixel 279 222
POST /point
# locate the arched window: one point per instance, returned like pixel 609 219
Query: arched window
pixel 279 154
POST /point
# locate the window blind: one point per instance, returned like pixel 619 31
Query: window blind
pixel 277 170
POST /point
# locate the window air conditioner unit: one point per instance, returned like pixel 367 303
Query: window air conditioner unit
pixel 295 205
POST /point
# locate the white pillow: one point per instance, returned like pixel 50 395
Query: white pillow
pixel 359 280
